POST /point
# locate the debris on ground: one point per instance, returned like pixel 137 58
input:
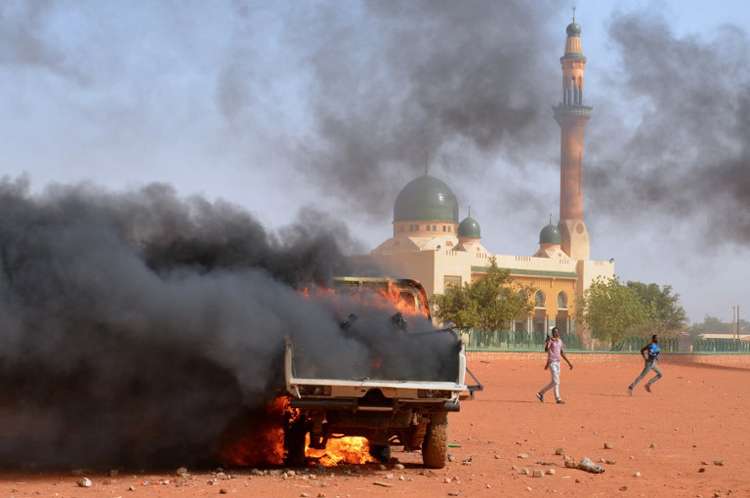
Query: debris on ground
pixel 559 451
pixel 85 482
pixel 608 446
pixel 382 484
pixel 588 466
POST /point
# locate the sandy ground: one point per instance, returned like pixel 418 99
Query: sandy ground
pixel 697 414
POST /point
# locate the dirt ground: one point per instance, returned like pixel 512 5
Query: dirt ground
pixel 690 437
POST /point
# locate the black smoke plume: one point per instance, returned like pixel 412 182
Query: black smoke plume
pixel 134 326
pixel 688 158
pixel 399 87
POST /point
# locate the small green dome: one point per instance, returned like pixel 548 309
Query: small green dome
pixel 469 229
pixel 426 198
pixel 573 29
pixel 550 235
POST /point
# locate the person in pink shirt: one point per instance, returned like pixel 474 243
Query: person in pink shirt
pixel 555 352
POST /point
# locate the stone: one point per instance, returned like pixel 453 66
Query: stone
pixel 588 466
pixel 636 474
pixel 497 457
pixel 559 451
pixel 389 476
pixel 447 480
pixel 570 464
pixel 610 462
pixel 623 488
pixel 131 488
pixel 525 471
pixel 85 482
pixel 454 493
pixel 652 445
pixel 719 463
pixel 529 488
pixel 321 495
pixel 550 472
pixel 304 495
pixel 702 469
pixel 608 446
pixel 223 491
pixel 523 456
pixel 537 473
pixel 451 458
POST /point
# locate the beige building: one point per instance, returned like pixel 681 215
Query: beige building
pixel 430 245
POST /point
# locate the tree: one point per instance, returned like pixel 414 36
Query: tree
pixel 666 314
pixel 613 311
pixel 711 324
pixel 488 304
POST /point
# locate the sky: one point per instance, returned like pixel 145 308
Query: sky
pixel 292 107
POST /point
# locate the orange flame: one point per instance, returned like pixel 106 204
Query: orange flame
pixel 256 439
pixel 391 299
pixel 347 450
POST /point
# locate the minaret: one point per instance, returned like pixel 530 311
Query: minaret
pixel 572 117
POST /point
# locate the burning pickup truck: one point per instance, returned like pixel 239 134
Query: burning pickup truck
pixel 401 393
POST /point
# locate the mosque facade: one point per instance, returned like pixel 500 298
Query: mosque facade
pixel 430 245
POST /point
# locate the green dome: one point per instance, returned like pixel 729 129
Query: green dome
pixel 469 229
pixel 573 29
pixel 550 235
pixel 426 198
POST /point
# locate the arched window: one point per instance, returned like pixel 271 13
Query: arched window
pixel 562 300
pixel 539 299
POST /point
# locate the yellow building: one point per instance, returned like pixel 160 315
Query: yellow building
pixel 430 245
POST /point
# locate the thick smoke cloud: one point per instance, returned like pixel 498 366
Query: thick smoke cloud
pixel 688 158
pixel 402 86
pixel 134 326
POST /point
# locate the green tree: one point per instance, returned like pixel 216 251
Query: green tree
pixel 666 314
pixel 488 304
pixel 712 324
pixel 613 311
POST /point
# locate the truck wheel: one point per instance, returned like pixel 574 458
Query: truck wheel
pixel 434 446
pixel 294 444
pixel 381 452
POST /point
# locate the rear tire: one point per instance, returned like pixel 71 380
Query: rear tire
pixel 294 444
pixel 435 446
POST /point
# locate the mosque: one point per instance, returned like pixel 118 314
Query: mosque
pixel 430 245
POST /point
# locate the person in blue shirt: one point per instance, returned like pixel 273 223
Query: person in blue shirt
pixel 650 353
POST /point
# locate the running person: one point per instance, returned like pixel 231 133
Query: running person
pixel 650 353
pixel 555 351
